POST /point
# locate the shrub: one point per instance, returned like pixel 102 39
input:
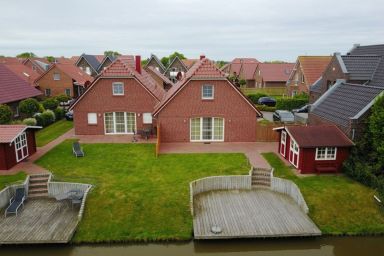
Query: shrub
pixel 46 118
pixel 62 98
pixel 50 103
pixel 290 103
pixel 30 121
pixel 41 108
pixel 29 106
pixel 59 113
pixel 5 114
pixel 266 108
pixel 39 119
pixel 255 97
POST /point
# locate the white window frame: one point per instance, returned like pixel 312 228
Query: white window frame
pixel 47 94
pixel 283 142
pixel 326 154
pixel 65 91
pixel 114 124
pixel 201 130
pixel 202 92
pixel 147 118
pixel 56 76
pixel 21 142
pixel 92 118
pixel 302 78
pixel 292 149
pixel 117 84
pixel 88 70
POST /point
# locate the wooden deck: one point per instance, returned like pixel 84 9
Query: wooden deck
pixel 249 213
pixel 41 221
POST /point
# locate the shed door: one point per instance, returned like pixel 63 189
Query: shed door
pixel 283 142
pixel 294 153
pixel 21 147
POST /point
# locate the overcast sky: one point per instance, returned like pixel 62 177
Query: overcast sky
pixel 221 29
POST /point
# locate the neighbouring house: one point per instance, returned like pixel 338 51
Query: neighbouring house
pixel 155 63
pixel 307 70
pixel 40 65
pixel 120 101
pixel 90 63
pixel 347 102
pixel 24 72
pixel 63 79
pixel 160 78
pixel 17 142
pixel 314 149
pixel 177 68
pixel 206 107
pixel 272 75
pixel 13 89
pixel 242 69
pixel 105 63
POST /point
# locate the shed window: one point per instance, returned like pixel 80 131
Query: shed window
pixel 92 118
pixel 207 92
pixel 118 88
pixel 326 153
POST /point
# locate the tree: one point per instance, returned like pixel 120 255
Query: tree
pixel 220 63
pixel 376 124
pixel 168 59
pixel 111 53
pixel 5 114
pixel 165 61
pixel 50 103
pixel 50 58
pixel 29 107
pixel 26 55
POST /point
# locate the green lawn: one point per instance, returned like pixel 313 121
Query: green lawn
pixel 49 133
pixel 337 204
pixel 11 179
pixel 137 197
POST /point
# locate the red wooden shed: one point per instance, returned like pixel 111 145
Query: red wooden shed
pixel 314 149
pixel 17 142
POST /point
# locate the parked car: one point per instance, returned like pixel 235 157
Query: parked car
pixel 283 116
pixel 268 101
pixel 303 109
pixel 69 115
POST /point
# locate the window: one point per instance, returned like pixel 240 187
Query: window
pixel 207 92
pixel 283 142
pixel 92 118
pixel 16 113
pixel 207 129
pixel 147 118
pixel 68 92
pixel 56 76
pixel 118 88
pixel 88 70
pixel 326 153
pixel 120 122
pixel 47 92
pixel 302 78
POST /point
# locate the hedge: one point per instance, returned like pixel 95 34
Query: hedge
pixel 59 113
pixel 50 103
pixel 290 103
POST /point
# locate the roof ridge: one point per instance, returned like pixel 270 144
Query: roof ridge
pixel 362 85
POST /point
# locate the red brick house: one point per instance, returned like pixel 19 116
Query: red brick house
pixel 160 78
pixel 17 142
pixel 24 72
pixel 314 149
pixel 39 65
pixel 272 75
pixel 243 68
pixel 63 78
pixel 206 107
pixel 120 101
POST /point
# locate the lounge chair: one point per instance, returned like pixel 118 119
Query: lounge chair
pixel 16 201
pixel 77 150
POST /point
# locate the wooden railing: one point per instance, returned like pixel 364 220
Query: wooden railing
pixel 289 188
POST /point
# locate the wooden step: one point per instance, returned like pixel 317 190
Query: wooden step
pixel 38 195
pixel 40 175
pixel 38 180
pixel 37 190
pixel 38 185
pixel 262 178
pixel 261 182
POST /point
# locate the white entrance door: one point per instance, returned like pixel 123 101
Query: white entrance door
pixel 21 147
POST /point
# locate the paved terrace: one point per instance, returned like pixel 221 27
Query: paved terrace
pixel 249 213
pixel 40 221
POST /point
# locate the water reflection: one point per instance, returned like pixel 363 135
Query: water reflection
pixel 348 246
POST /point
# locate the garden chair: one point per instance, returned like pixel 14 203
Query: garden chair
pixel 16 201
pixel 77 150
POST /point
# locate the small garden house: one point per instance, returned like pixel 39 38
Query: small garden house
pixel 314 149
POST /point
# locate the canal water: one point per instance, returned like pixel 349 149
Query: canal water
pixel 340 246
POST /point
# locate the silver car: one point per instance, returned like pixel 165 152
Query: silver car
pixel 284 116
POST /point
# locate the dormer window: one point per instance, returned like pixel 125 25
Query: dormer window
pixel 207 92
pixel 118 88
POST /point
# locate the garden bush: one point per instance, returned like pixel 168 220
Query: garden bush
pixel 59 113
pixel 39 119
pixel 41 108
pixel 266 108
pixel 48 117
pixel 29 107
pixel 30 121
pixel 62 98
pixel 50 103
pixel 290 103
pixel 255 97
pixel 5 114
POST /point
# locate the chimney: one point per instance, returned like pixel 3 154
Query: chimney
pixel 202 56
pixel 138 63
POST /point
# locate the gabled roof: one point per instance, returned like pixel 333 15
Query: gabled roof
pixel 24 72
pixel 158 74
pixel 344 102
pixel 8 133
pixel 189 62
pixel 312 67
pixel 248 70
pixel 92 60
pixel 244 66
pixel 313 136
pixel 41 63
pixel 361 67
pixel 157 60
pixel 203 69
pixel 316 86
pixel 72 71
pixel 378 76
pixel 275 72
pixel 377 49
pixel 13 88
pixel 107 57
pixel 173 61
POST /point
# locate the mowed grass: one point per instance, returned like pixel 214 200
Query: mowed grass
pixel 6 180
pixel 137 197
pixel 49 133
pixel 337 204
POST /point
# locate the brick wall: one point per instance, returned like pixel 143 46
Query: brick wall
pixel 57 86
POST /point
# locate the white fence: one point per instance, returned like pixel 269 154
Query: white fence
pixel 8 192
pixel 291 189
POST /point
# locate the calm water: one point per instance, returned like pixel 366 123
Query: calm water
pixel 347 246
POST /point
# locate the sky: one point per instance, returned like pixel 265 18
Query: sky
pixel 220 29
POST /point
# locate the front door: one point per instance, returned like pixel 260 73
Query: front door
pixel 21 147
pixel 294 154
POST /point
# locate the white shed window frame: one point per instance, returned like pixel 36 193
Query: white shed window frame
pixel 326 153
pixel 92 118
pixel 21 142
pixel 122 88
pixel 283 141
pixel 201 130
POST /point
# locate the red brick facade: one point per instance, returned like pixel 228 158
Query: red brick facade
pixel 57 87
pixel 239 117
